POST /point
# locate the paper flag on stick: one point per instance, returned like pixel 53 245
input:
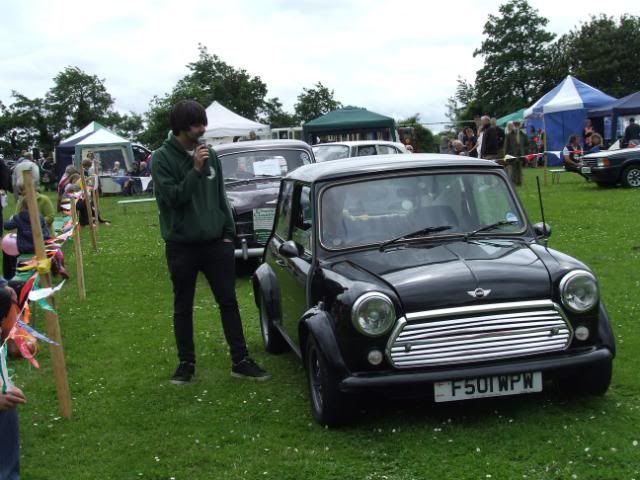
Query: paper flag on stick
pixel 42 293
pixel 34 333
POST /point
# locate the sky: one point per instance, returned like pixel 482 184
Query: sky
pixel 394 58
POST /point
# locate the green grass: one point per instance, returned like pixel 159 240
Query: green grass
pixel 130 423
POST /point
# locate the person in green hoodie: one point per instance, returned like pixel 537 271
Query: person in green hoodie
pixel 197 226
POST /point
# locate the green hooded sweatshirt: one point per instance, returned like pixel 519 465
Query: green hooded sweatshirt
pixel 193 205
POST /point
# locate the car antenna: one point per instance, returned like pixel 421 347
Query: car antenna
pixel 544 224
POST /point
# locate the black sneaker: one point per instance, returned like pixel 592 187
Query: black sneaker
pixel 184 373
pixel 249 369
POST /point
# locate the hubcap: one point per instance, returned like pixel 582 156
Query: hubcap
pixel 315 379
pixel 633 177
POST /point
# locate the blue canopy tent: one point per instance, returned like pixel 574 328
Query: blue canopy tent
pixel 563 111
pixel 629 105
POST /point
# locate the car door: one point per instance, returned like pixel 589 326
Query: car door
pixel 292 273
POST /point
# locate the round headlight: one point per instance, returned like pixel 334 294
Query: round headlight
pixel 373 313
pixel 579 291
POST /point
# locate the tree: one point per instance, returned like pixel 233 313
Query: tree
pixel 425 141
pixel 129 126
pixel 76 99
pixel 463 105
pixel 209 79
pixel 603 52
pixel 273 114
pixel 514 52
pixel 315 102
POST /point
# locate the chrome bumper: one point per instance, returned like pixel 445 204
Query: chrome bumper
pixel 245 252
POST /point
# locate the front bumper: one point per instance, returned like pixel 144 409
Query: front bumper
pixel 394 378
pixel 608 175
pixel 245 252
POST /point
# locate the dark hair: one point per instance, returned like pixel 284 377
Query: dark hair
pixel 632 120
pixel 573 138
pixel 185 114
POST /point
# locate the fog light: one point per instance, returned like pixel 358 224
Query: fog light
pixel 375 357
pixel 582 333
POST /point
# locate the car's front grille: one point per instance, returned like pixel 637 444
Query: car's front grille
pixel 590 162
pixel 478 333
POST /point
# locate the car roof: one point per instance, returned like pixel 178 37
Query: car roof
pixel 355 143
pixel 349 167
pixel 227 148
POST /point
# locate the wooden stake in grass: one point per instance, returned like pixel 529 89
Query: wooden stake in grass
pixel 87 204
pixel 53 327
pixel 77 246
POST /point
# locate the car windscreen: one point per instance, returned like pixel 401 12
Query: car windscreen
pixel 375 210
pixel 262 163
pixel 324 153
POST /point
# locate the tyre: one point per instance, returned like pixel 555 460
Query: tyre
pixel 273 340
pixel 329 405
pixel 631 176
pixel 591 380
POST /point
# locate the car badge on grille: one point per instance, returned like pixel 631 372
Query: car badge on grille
pixel 479 293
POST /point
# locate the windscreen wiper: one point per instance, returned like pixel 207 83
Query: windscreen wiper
pixel 490 227
pixel 422 232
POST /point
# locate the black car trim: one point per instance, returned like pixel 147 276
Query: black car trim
pixel 395 378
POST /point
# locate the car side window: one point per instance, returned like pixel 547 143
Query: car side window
pixel 284 211
pixel 387 150
pixel 366 150
pixel 302 222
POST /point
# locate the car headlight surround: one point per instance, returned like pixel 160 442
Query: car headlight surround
pixel 373 314
pixel 579 291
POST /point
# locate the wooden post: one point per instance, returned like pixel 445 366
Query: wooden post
pixel 87 204
pixel 53 327
pixel 78 251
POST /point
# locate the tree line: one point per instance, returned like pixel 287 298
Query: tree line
pixel 77 98
pixel 523 60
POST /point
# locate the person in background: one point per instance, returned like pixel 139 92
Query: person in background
pixel 500 133
pixel 515 144
pixel 596 143
pixel 632 132
pixel 490 137
pixel 587 131
pixel 458 148
pixel 10 398
pixel 252 135
pixel 470 141
pixel 25 164
pixel 570 153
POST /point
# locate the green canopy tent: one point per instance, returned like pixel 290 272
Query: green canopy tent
pixel 512 117
pixel 350 121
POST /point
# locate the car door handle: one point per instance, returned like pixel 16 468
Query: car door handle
pixel 282 263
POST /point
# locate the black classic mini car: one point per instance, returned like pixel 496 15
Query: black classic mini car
pixel 613 167
pixel 252 173
pixel 385 274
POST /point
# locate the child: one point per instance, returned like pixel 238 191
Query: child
pixel 21 223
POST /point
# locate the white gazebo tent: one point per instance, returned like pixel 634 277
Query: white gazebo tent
pixel 222 123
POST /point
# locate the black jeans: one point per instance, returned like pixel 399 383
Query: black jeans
pixel 216 261
pixel 9 445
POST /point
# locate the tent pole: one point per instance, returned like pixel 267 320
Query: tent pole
pixel 546 155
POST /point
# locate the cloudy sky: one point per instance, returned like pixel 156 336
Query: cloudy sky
pixel 396 58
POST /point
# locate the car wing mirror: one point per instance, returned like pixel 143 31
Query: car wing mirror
pixel 542 229
pixel 290 249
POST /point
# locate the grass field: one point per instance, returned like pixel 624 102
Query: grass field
pixel 129 422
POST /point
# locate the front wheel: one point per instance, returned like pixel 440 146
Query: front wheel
pixel 329 405
pixel 631 176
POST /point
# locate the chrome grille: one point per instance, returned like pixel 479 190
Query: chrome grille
pixel 590 162
pixel 478 333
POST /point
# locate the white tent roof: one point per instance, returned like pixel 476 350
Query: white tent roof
pixel 222 122
pixel 103 137
pixel 92 127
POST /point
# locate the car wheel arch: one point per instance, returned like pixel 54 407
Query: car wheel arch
pixel 318 323
pixel 265 283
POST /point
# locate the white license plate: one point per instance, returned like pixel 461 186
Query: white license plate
pixel 586 170
pixel 495 386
